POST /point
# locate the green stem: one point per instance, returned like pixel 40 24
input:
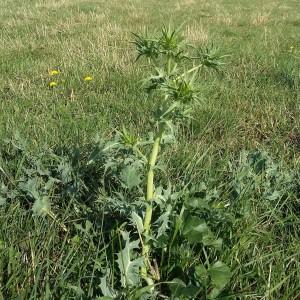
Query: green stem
pixel 150 179
pixel 149 199
pixel 169 61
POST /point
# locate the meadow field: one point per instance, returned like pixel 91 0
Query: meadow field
pixel 72 203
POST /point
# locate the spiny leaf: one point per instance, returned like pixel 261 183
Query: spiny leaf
pixel 130 177
pixel 145 46
pixel 163 221
pixel 137 220
pixel 107 292
pixel 41 206
pixel 128 265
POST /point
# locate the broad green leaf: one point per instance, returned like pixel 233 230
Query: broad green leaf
pixel 182 291
pixel 176 286
pixel 128 265
pixel 144 293
pixel 210 240
pixel 107 292
pixel 220 274
pixel 214 293
pixel 31 186
pixel 195 202
pixel 201 273
pixel 50 183
pixel 194 228
pixel 274 196
pixel 130 177
pixel 65 170
pixel 41 206
pixel 163 221
pixel 137 220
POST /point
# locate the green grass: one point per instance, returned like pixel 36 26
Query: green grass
pixel 253 105
pixel 256 98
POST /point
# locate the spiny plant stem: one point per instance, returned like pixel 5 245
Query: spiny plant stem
pixel 149 197
pixel 150 179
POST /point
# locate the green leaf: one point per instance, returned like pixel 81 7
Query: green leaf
pixel 201 273
pixel 79 292
pixel 2 200
pixel 274 196
pixel 128 265
pixel 176 286
pixel 194 228
pixel 50 183
pixel 137 220
pixel 210 240
pixel 130 177
pixel 195 202
pixel 41 206
pixel 107 292
pixel 182 291
pixel 220 274
pixel 163 222
pixel 214 293
pixel 143 293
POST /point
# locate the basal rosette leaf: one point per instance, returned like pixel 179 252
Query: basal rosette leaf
pixel 131 177
pixel 220 275
pixel 41 206
pixel 129 263
pixel 194 229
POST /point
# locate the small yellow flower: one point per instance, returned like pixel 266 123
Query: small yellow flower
pixel 88 78
pixel 54 72
pixel 53 84
pixel 292 47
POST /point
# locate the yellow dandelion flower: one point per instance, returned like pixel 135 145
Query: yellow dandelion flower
pixel 53 84
pixel 88 78
pixel 292 47
pixel 54 72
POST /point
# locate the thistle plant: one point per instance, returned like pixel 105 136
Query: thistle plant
pixel 176 70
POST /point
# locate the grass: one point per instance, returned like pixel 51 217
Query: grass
pixel 260 86
pixel 253 105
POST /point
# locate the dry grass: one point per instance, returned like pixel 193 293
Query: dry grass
pixel 196 33
pixel 260 19
pixel 84 37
